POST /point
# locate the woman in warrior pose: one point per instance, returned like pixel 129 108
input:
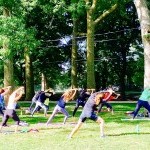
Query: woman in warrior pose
pixel 60 107
pixel 89 112
pixel 10 110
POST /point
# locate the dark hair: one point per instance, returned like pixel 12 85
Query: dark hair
pixel 2 91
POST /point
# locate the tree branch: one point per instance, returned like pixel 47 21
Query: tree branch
pixel 106 13
pixel 87 2
pixel 93 5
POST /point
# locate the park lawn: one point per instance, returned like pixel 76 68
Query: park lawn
pixel 120 135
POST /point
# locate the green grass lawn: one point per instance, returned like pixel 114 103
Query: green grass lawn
pixel 120 135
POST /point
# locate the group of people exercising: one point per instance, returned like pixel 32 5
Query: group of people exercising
pixel 88 99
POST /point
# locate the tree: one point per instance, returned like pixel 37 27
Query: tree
pixel 74 55
pixel 7 23
pixel 143 12
pixel 76 8
pixel 91 25
pixel 8 63
pixel 114 38
pixel 48 19
pixel 16 38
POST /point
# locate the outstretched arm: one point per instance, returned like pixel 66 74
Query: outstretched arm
pixel 6 89
pixel 68 95
pixel 18 93
pixel 98 98
pixel 117 95
pixel 75 90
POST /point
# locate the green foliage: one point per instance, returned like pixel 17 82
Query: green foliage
pixel 76 8
pixel 147 36
pixel 13 6
pixel 138 78
pixel 48 57
pixel 59 6
pixel 148 4
pixel 114 38
pixel 47 21
pixel 29 4
pixel 14 34
pixel 8 4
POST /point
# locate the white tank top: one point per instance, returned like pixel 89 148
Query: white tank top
pixel 11 105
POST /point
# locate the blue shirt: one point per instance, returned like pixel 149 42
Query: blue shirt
pixel 61 103
pixel 42 97
pixel 1 101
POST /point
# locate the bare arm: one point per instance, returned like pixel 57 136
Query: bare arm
pixel 98 98
pixel 7 89
pixel 75 90
pixel 68 95
pixel 117 95
pixel 18 93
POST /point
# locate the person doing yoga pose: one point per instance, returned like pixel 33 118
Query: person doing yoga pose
pixel 10 110
pixel 61 103
pixel 89 113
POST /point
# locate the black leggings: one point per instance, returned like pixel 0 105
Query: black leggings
pixel 10 113
pixel 104 103
pixel 1 111
pixel 140 104
pixel 78 103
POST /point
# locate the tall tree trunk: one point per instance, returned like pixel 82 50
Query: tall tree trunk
pixel 8 63
pixel 91 24
pixel 44 83
pixel 90 51
pixel 144 18
pixel 74 56
pixel 29 82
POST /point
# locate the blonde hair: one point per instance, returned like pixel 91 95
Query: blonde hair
pixel 69 94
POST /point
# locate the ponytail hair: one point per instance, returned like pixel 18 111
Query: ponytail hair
pixel 69 94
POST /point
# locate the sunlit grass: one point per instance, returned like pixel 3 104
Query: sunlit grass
pixel 120 135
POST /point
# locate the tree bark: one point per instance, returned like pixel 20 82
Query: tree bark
pixel 29 82
pixel 144 19
pixel 91 24
pixel 74 56
pixel 8 62
pixel 90 52
pixel 44 83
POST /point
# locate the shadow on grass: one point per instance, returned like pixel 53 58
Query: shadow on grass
pixel 131 133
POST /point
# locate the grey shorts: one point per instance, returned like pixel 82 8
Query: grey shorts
pixel 91 116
